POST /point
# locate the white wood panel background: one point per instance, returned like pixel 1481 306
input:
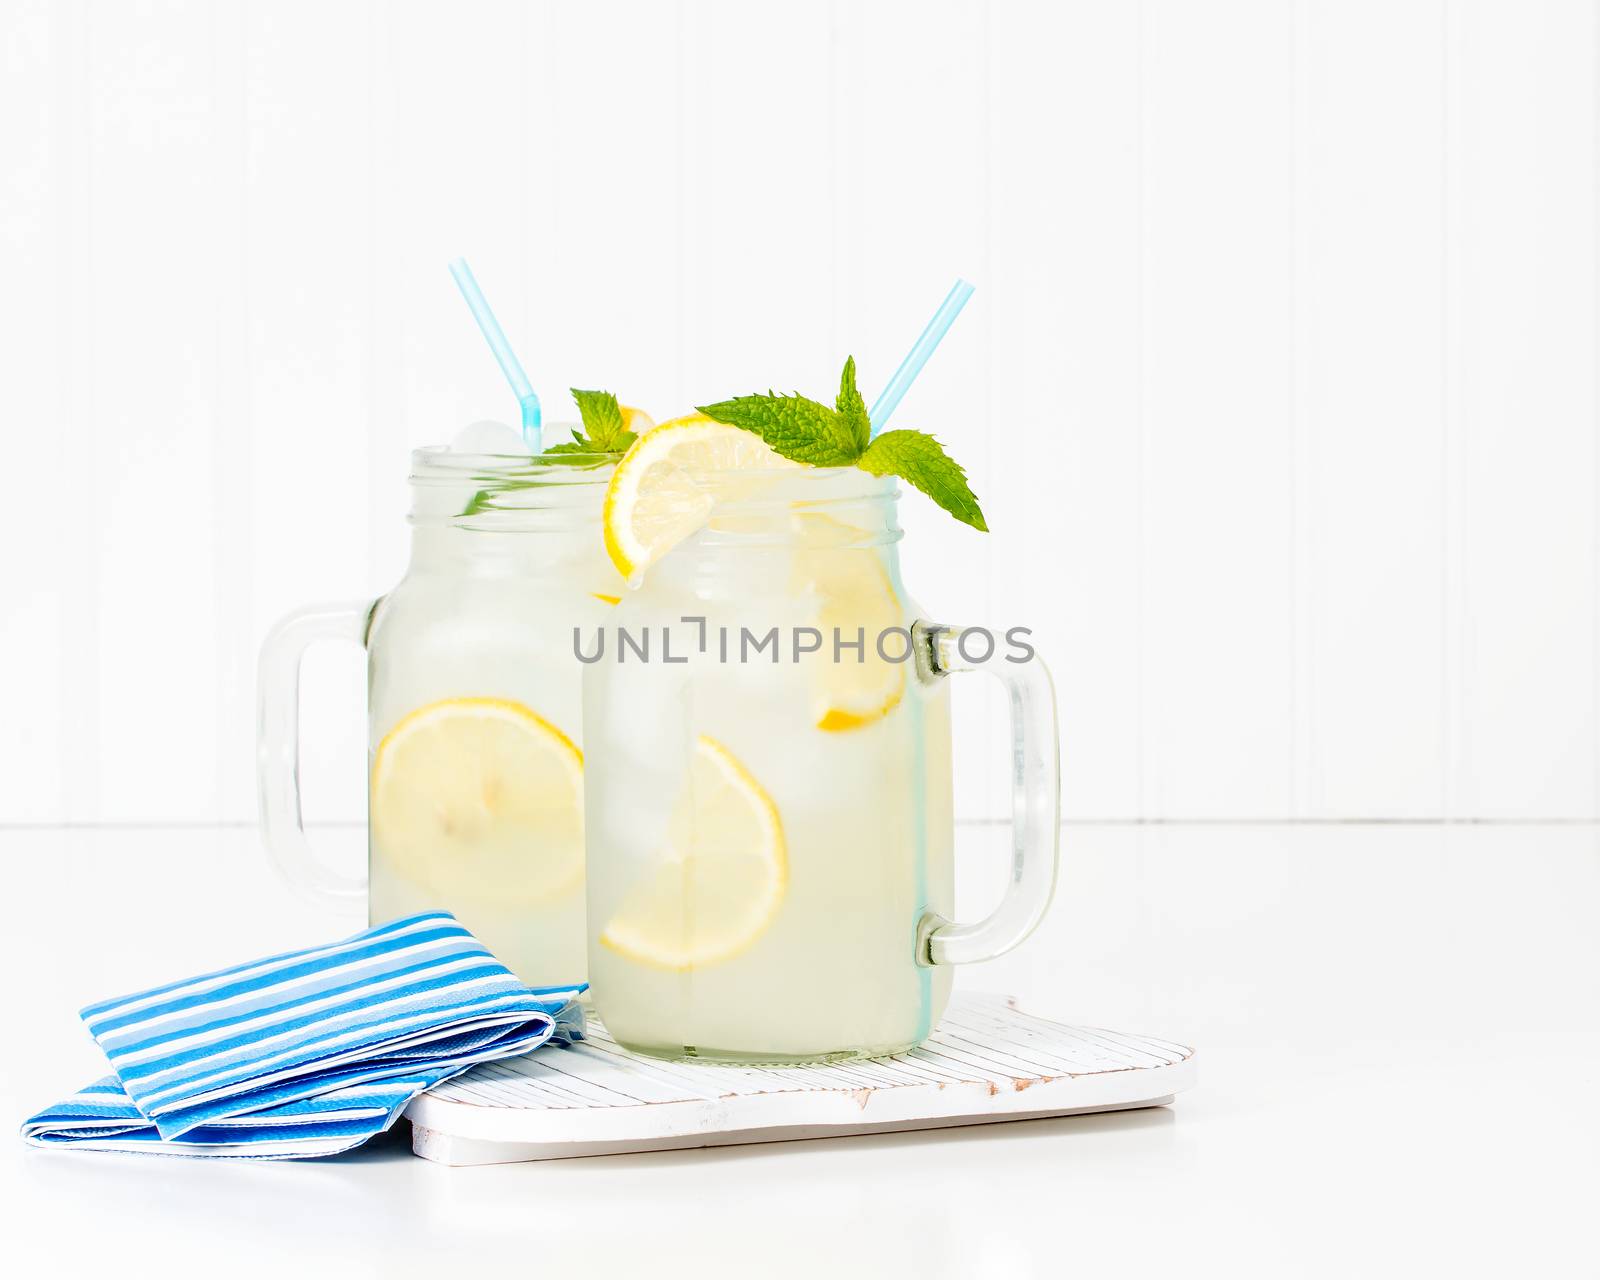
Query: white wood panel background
pixel 1279 386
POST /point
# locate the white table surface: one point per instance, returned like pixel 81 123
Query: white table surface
pixel 1399 1038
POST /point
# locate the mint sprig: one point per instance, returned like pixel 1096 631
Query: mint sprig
pixel 805 431
pixel 920 460
pixel 603 430
pixel 794 426
pixel 851 407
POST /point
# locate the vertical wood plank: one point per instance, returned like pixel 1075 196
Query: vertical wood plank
pixel 1524 311
pixel 1215 596
pixel 72 305
pixel 1301 422
pixel 232 542
pixel 1063 485
pixel 1368 291
pixel 152 247
pixel 38 527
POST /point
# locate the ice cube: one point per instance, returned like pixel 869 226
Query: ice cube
pixel 489 437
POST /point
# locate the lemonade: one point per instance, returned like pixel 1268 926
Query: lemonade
pixel 476 767
pixel 768 829
pixel 768 799
pixel 477 772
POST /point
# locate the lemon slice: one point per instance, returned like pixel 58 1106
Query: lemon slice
pixel 478 798
pixel 720 878
pixel 687 418
pixel 636 420
pixel 667 483
pixel 855 599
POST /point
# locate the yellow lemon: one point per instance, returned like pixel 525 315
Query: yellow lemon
pixel 636 420
pixel 667 483
pixel 855 599
pixel 720 877
pixel 481 797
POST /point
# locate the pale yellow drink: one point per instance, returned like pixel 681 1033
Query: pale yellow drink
pixel 476 769
pixel 766 836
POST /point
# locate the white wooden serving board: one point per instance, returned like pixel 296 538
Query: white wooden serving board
pixel 986 1061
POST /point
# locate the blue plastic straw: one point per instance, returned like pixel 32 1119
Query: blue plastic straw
pixel 889 398
pixel 532 420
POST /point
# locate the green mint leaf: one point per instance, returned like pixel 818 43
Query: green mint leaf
pixel 805 431
pixel 589 446
pixel 792 426
pixel 852 408
pixel 921 461
pixel 579 452
pixel 602 419
pixel 482 501
pixel 576 452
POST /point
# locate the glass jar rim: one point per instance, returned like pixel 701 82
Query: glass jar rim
pixel 508 491
pixel 511 493
pixel 437 463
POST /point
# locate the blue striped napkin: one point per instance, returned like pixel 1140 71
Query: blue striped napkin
pixel 305 1053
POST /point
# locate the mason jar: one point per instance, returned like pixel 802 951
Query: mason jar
pixel 769 812
pixel 475 734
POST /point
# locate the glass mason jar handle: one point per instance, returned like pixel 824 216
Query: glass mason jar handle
pixel 278 745
pixel 1035 795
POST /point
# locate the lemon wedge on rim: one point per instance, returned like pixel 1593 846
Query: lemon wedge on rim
pixel 668 482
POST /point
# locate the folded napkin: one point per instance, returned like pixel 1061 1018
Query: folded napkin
pixel 306 1053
